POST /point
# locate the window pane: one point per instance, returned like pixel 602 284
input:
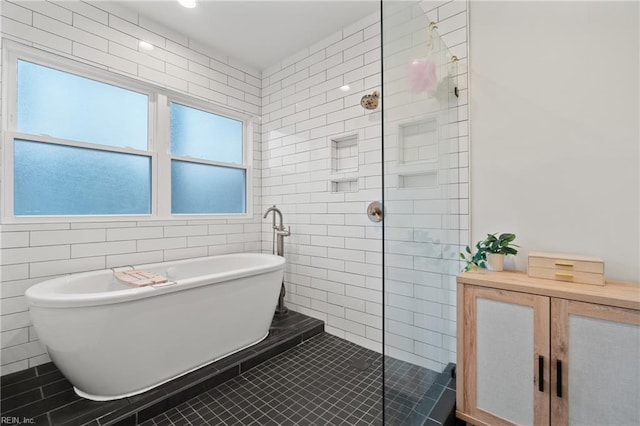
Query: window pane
pixel 66 106
pixel 204 135
pixel 63 180
pixel 202 188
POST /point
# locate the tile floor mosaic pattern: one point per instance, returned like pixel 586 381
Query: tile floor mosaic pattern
pixel 410 392
pixel 42 394
pixel 324 381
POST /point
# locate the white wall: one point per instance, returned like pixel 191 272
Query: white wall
pixel 555 128
pixel 107 37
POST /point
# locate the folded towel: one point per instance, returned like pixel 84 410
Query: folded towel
pixel 140 278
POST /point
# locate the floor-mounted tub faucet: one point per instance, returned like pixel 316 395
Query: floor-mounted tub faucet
pixel 278 229
pixel 279 234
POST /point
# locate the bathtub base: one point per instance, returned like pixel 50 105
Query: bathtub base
pixel 285 334
pixel 138 392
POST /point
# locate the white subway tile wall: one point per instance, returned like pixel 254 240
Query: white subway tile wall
pixel 106 36
pixel 315 140
pixel 425 186
pixel 334 254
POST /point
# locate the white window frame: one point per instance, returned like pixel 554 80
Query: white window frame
pixel 164 110
pixel 158 146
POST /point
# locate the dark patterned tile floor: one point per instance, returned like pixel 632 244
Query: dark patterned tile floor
pixel 324 381
pixel 410 392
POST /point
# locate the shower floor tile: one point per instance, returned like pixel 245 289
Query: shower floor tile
pixel 324 381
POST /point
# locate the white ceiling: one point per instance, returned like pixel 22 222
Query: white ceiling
pixel 257 33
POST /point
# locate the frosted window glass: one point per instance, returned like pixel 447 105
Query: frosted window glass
pixel 66 106
pixel 203 188
pixel 63 180
pixel 204 135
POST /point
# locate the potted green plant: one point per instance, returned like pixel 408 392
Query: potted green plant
pixel 496 248
pixel 489 253
pixel 473 260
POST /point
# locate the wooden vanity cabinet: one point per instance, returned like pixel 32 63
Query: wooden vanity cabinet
pixel 542 352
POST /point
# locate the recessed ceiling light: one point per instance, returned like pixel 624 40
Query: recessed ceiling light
pixel 189 4
pixel 345 88
pixel 145 45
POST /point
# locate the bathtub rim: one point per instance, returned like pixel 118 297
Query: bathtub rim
pixel 44 294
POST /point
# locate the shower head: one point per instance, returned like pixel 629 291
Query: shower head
pixel 370 101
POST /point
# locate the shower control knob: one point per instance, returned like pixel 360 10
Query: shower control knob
pixel 374 212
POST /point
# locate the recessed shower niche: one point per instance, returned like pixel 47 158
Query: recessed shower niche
pixel 419 180
pixel 344 154
pixel 344 163
pixel 419 141
pixel 344 185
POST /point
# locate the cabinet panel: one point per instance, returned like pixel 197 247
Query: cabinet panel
pixel 504 334
pixel 505 356
pixel 599 348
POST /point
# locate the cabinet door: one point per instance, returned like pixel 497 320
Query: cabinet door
pixel 595 364
pixel 505 357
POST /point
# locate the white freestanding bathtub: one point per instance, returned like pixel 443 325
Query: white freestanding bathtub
pixel 112 340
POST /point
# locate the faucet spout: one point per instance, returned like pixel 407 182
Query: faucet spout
pixel 275 211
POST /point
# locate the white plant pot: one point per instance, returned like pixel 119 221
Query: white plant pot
pixel 495 262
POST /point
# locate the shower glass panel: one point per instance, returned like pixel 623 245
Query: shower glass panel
pixel 420 197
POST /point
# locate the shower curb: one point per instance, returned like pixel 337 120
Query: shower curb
pixel 443 412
